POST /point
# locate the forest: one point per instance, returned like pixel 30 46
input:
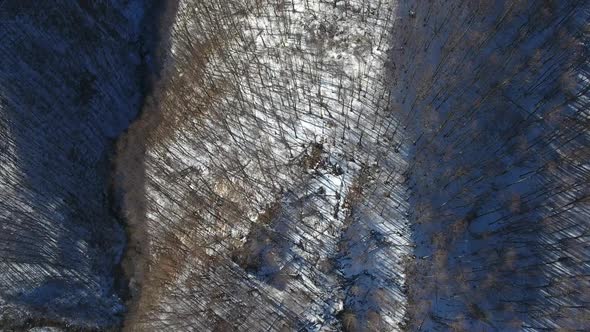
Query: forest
pixel 295 165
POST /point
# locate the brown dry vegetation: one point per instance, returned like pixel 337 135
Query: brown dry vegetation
pixel 182 95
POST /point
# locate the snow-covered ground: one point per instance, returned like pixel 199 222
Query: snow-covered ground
pixel 274 196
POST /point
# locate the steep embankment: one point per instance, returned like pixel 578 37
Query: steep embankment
pixel 493 96
pixel 70 83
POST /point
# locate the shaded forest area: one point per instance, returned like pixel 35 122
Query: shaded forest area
pixel 72 78
pixel 494 96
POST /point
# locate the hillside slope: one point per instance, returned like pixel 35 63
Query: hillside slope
pixel 70 83
pixel 494 98
pixel 267 194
